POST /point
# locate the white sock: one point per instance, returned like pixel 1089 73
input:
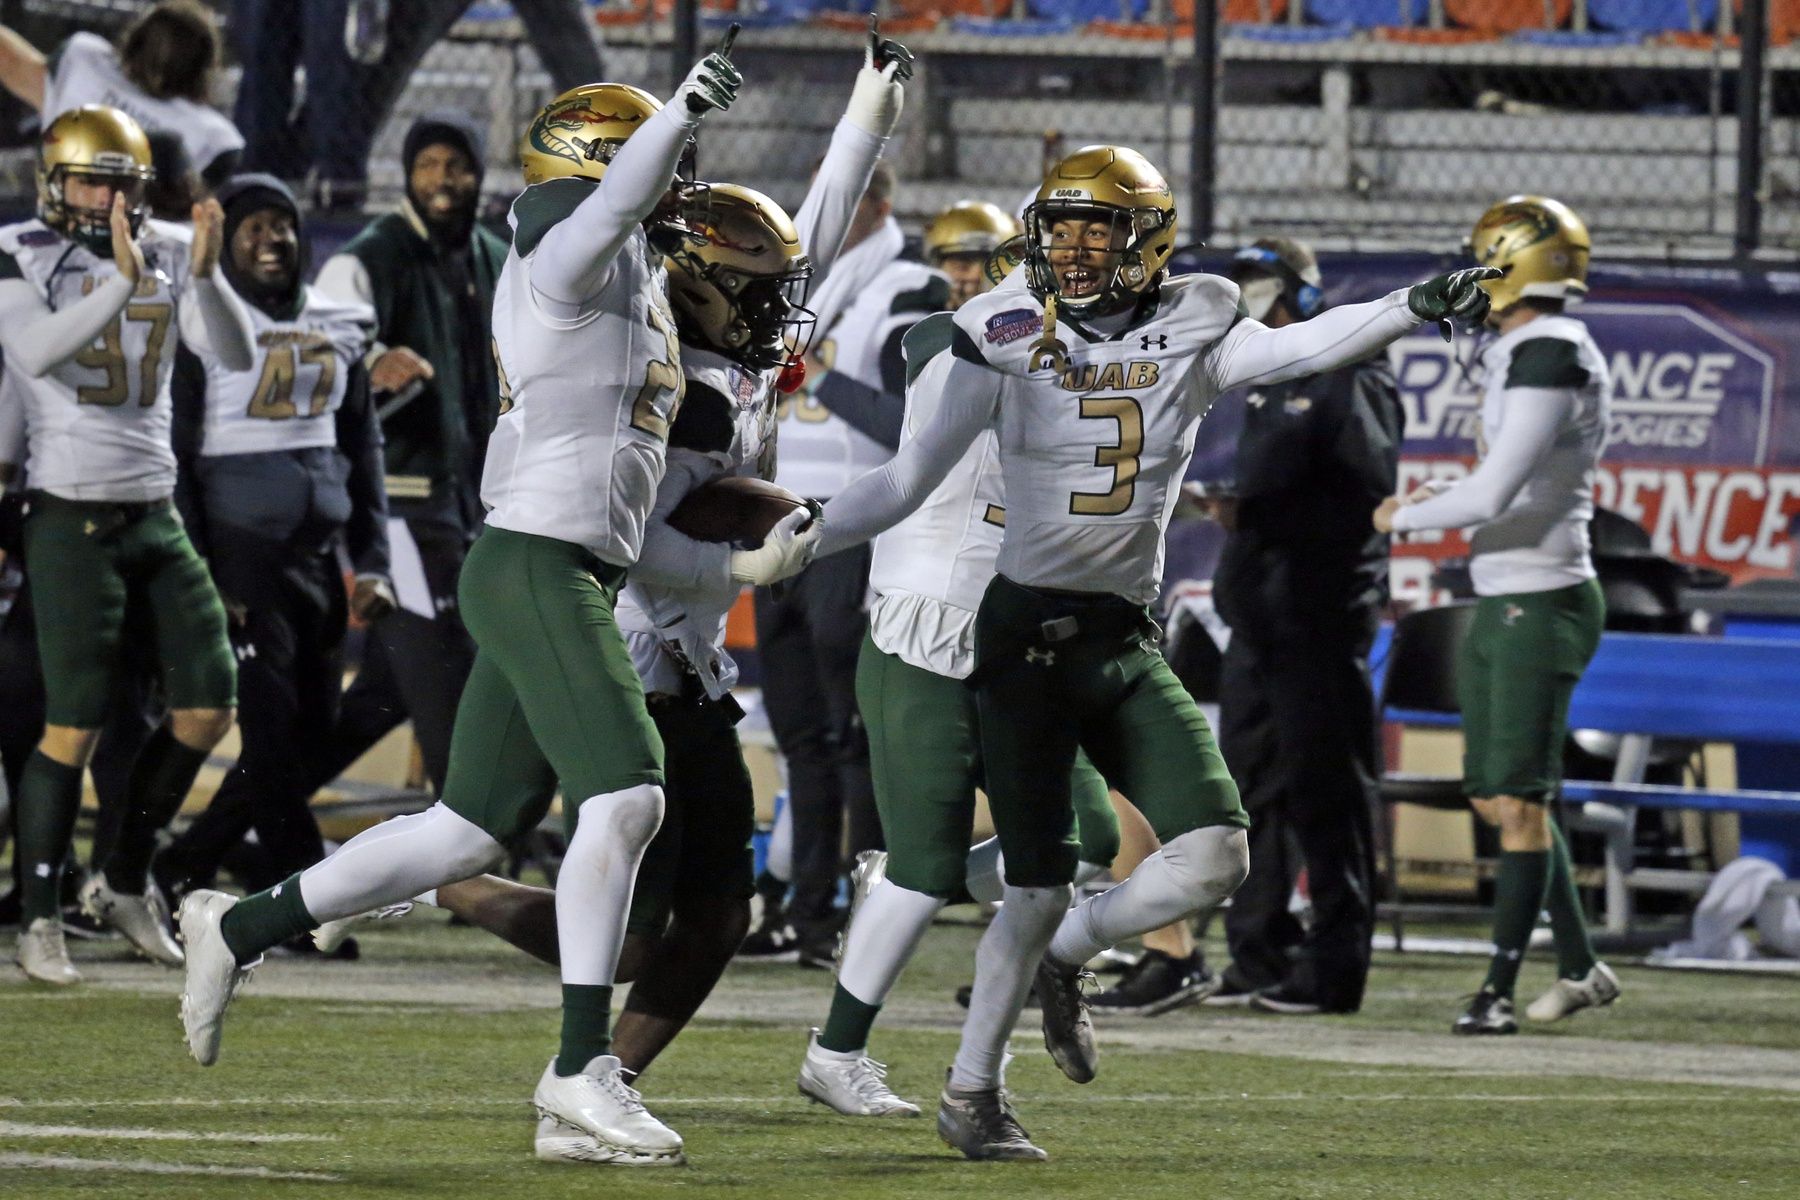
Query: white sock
pixel 887 929
pixel 593 888
pixel 1005 961
pixel 1192 873
pixel 780 862
pixel 819 1052
pixel 986 872
pixel 389 862
pixel 428 898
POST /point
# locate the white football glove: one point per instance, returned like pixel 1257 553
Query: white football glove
pixel 876 100
pixel 785 552
pixel 712 84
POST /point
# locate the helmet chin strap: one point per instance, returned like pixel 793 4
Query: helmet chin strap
pixel 1048 353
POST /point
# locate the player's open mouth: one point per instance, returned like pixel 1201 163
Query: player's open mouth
pixel 1079 281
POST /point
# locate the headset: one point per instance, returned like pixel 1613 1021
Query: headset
pixel 1305 298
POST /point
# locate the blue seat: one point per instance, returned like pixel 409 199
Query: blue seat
pixel 493 10
pixel 983 27
pixel 1291 33
pixel 1571 40
pixel 1084 12
pixel 1368 14
pixel 1653 16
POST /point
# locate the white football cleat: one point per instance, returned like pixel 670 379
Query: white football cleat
pixel 597 1117
pixel 144 920
pixel 855 1087
pixel 213 975
pixel 331 934
pixel 43 955
pixel 1598 988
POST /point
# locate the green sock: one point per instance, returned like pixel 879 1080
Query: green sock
pixel 847 1027
pixel 160 779
pixel 1518 898
pixel 1574 951
pixel 266 919
pixel 49 798
pixel 586 1025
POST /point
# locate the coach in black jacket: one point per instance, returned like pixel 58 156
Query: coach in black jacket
pixel 1302 582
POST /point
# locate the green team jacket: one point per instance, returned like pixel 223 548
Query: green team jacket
pixel 437 442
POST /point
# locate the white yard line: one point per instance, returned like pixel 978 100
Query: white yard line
pixel 126 1166
pixel 13 1129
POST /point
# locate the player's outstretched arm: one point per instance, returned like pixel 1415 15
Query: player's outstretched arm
pixel 949 403
pixel 1533 418
pixel 1252 353
pixel 36 339
pixel 216 324
pixel 572 261
pixel 869 120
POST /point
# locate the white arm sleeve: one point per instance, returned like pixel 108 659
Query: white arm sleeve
pixel 345 278
pixel 670 559
pixel 214 324
pixel 1527 432
pixel 948 406
pixel 1252 353
pixel 573 260
pixel 36 339
pixel 825 215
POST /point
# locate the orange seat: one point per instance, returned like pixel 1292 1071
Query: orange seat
pixel 908 18
pixel 1139 31
pixel 1432 37
pixel 1498 17
pixel 1784 21
pixel 631 12
pixel 1244 12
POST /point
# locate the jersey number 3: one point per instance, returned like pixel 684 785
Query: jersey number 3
pixel 1121 456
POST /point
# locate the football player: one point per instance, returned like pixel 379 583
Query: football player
pixel 735 289
pixel 282 463
pixel 1094 367
pixel 1544 411
pixel 591 379
pixel 90 293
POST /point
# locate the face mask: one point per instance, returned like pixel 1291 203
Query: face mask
pixel 1259 295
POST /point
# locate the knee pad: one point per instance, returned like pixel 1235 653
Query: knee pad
pixel 1208 864
pixel 630 817
pixel 461 843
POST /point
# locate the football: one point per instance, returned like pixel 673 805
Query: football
pixel 735 508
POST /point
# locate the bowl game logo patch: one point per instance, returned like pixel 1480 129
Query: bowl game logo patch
pixel 1013 324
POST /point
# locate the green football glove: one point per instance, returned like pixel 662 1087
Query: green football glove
pixel 1458 294
pixel 713 83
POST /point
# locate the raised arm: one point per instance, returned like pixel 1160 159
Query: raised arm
pixel 213 320
pixel 23 70
pixel 1528 431
pixel 950 400
pixel 875 102
pixel 573 259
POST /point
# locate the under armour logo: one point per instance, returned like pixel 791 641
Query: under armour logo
pixel 1511 615
pixel 245 653
pixel 90 528
pixel 1042 658
pixel 1161 341
pixel 275 892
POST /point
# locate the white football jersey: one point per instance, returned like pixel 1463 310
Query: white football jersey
pixel 740 441
pixel 585 405
pixel 820 452
pixel 85 70
pixel 97 424
pixel 289 399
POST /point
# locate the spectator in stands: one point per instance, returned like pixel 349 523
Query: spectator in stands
pixel 280 465
pixel 428 271
pixel 359 56
pixel 161 72
pixel 809 631
pixel 1302 582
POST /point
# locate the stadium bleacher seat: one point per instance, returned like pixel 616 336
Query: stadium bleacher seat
pixel 630 12
pixel 1368 14
pixel 1293 33
pixel 1569 39
pixel 1500 17
pixel 1784 21
pixel 1082 12
pixel 913 16
pixel 1653 16
pixel 1237 12
pixel 1426 36
pixel 1025 27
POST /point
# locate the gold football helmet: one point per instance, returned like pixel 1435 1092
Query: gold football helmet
pixel 968 227
pixel 104 145
pixel 1114 184
pixel 738 281
pixel 1540 244
pixel 579 132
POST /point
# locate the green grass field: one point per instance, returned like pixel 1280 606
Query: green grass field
pixel 407 1074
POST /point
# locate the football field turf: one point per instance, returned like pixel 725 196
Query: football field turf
pixel 407 1074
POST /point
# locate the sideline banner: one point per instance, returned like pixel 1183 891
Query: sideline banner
pixel 1704 444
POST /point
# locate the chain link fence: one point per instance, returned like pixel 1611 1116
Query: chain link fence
pixel 1357 123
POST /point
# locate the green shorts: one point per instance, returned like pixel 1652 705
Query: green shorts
pixel 1520 664
pixel 700 858
pixel 88 562
pixel 925 755
pixel 1100 685
pixel 552 695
